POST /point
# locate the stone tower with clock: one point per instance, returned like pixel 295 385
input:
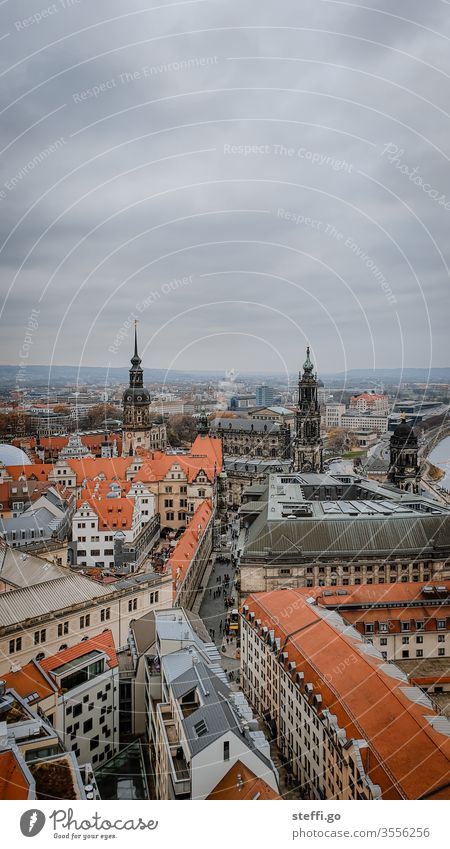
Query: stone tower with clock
pixel 137 425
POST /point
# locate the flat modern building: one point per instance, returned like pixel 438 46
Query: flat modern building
pixel 78 691
pixel 264 396
pixel 306 530
pixel 350 725
pixel 355 420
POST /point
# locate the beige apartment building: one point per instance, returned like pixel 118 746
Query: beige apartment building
pixel 39 620
pixel 349 725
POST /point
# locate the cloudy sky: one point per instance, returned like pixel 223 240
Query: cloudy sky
pixel 242 177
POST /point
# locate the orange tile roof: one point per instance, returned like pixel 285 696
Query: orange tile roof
pixel 40 471
pixel 398 614
pixel 186 547
pixel 103 642
pixel 405 755
pixel 241 783
pixel 205 455
pixel 374 593
pixel 112 512
pixel 29 679
pixel 13 783
pixel 89 468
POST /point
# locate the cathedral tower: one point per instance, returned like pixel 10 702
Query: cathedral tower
pixel 136 408
pixel 404 467
pixel 307 441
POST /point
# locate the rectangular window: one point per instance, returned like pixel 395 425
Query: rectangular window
pixel 15 645
pixel 77 709
pixel 40 636
pixel 85 621
pixel 419 639
pixel 87 725
pixel 419 653
pixel 441 652
pixel 94 743
pixel 441 624
pixel 226 750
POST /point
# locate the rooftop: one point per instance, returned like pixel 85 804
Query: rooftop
pixel 241 783
pixel 325 514
pixel 408 744
pixel 48 597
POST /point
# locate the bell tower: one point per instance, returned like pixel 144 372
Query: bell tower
pixel 404 466
pixel 307 441
pixel 136 408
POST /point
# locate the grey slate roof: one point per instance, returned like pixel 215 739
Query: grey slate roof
pixel 216 712
pixel 41 599
pixel 255 425
pixel 353 534
pixel 19 569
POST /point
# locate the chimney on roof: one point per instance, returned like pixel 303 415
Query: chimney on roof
pixel 240 782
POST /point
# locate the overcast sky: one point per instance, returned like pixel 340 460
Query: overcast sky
pixel 243 177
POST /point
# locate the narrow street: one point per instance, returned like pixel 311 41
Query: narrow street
pixel 213 610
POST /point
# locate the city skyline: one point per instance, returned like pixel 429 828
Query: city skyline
pixel 243 194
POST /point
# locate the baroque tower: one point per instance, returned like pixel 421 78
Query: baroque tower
pixel 307 441
pixel 404 467
pixel 136 408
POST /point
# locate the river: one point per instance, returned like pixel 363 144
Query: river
pixel 440 456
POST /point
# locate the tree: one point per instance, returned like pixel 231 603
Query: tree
pixel 62 409
pixel 181 428
pixel 340 440
pixel 96 415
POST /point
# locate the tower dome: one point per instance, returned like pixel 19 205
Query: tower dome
pixel 10 455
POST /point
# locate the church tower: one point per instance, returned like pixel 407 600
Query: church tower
pixel 307 441
pixel 136 408
pixel 404 467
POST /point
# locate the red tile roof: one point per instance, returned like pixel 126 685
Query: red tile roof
pixel 13 783
pixel 29 679
pixel 205 455
pixel 374 593
pixel 89 468
pixel 241 783
pixel 405 755
pixel 102 642
pixel 186 547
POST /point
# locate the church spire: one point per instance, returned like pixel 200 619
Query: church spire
pixel 136 371
pixel 308 366
pixel 135 359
